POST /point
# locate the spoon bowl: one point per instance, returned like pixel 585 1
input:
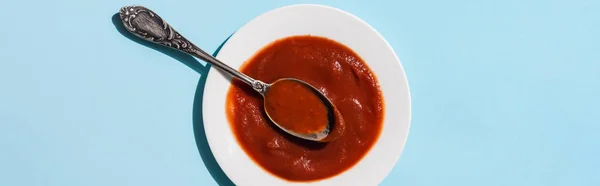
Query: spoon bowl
pixel 327 120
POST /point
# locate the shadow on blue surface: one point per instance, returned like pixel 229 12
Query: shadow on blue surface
pixel 198 122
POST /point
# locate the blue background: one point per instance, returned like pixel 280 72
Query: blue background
pixel 504 92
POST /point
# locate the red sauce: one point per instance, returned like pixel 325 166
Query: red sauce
pixel 340 75
pixel 296 107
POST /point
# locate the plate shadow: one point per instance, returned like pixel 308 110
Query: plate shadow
pixel 198 123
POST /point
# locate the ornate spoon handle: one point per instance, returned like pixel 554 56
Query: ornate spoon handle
pixel 146 24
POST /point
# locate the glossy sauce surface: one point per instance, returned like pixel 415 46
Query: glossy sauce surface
pixel 340 75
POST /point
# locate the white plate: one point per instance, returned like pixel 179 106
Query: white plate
pixel 319 21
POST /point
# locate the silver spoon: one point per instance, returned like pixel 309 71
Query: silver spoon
pixel 147 25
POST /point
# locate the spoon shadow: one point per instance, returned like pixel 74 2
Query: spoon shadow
pixel 198 123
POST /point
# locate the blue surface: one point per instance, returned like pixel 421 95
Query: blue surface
pixel 504 92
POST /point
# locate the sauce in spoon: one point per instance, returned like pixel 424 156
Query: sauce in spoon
pixel 296 107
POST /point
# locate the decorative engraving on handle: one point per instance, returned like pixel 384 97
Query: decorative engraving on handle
pixel 259 86
pixel 146 24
